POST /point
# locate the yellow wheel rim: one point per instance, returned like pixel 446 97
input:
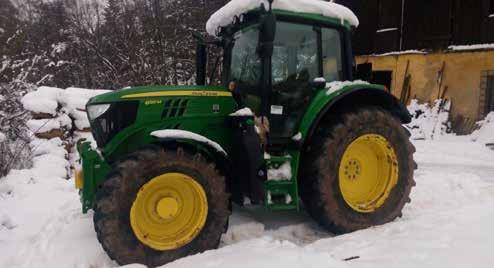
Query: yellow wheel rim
pixel 169 211
pixel 368 172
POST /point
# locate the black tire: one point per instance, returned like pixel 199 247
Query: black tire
pixel 319 185
pixel 114 200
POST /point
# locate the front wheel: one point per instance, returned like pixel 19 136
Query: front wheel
pixel 159 205
pixel 358 171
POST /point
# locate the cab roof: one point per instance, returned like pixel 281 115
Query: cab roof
pixel 235 8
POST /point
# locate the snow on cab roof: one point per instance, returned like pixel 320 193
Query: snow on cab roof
pixel 225 15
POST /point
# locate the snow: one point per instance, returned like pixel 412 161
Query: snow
pixel 320 80
pixel 58 48
pixel 282 173
pixel 50 100
pixel 297 137
pixel 235 8
pixel 183 134
pixel 243 112
pixel 447 224
pixel 386 30
pixel 261 252
pixel 74 102
pixel 471 47
pixel 339 85
pixel 46 125
pixel 429 122
pixel 43 100
pixel 76 98
pixel 485 133
pixel 404 52
pixel 288 199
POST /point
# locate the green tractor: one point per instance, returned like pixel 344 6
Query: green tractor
pixel 280 132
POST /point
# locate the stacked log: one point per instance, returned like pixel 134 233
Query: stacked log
pixel 59 114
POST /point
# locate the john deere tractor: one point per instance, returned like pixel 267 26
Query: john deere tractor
pixel 280 132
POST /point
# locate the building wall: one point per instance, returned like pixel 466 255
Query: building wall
pixel 463 72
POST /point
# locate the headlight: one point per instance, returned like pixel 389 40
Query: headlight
pixel 94 111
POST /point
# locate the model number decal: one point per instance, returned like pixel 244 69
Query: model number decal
pixel 152 102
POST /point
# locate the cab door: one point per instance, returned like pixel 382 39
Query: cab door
pixel 302 52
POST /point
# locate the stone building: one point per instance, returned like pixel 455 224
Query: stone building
pixel 430 49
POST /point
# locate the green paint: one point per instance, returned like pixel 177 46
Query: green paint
pixel 322 99
pixel 95 170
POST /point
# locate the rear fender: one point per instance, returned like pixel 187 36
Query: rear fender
pixel 327 104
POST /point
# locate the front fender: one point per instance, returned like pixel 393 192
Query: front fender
pixel 194 142
pixel 349 97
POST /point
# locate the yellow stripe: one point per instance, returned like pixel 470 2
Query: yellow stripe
pixel 196 93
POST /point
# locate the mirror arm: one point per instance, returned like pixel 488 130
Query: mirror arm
pixel 270 5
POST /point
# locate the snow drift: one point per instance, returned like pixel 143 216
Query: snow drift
pixel 429 122
pixel 485 133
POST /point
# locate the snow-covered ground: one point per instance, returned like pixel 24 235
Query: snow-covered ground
pixel 448 224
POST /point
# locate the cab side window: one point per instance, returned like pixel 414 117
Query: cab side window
pixel 246 67
pixel 331 55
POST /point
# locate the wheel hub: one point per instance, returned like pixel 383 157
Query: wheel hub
pixel 167 208
pixel 352 169
pixel 368 172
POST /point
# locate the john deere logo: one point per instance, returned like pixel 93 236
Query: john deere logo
pixel 204 93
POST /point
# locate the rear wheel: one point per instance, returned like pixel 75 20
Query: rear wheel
pixel 359 171
pixel 157 206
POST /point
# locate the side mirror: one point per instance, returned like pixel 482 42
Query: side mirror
pixel 363 72
pixel 318 83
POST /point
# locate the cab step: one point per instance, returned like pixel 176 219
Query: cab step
pixel 281 187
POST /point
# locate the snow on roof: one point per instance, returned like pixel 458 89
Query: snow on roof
pixel 403 52
pixel 225 15
pixel 471 47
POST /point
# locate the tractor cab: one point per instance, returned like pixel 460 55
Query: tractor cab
pixel 276 62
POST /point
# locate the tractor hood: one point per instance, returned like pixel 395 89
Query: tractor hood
pixel 145 92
